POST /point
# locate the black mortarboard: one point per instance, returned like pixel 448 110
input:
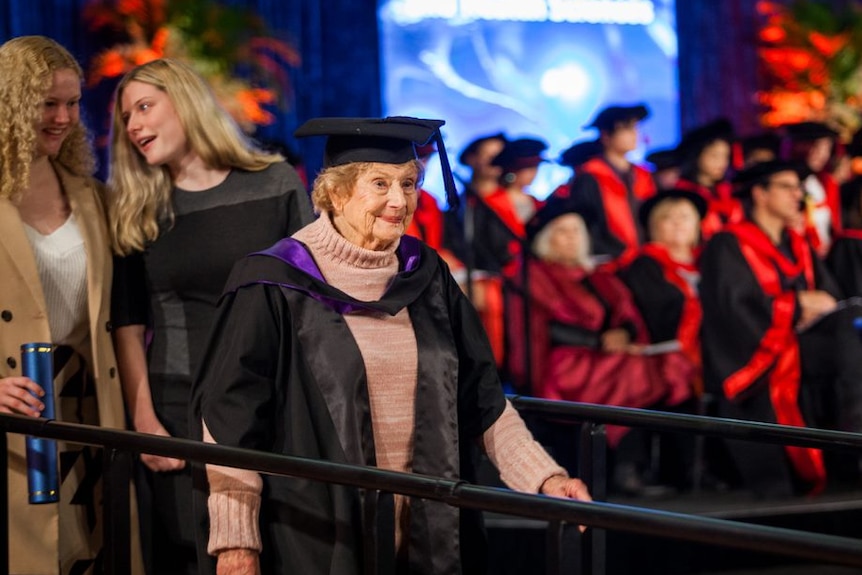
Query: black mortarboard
pixel 808 131
pixel 554 208
pixel 763 141
pixel 663 159
pixel 520 154
pixel 746 179
pixel 607 119
pixel 649 204
pixel 474 146
pixel 579 152
pixel 391 140
pixel 695 140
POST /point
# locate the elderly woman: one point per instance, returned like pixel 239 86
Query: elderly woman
pixel 351 342
pixel 587 335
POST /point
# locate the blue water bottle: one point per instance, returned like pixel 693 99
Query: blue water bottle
pixel 43 481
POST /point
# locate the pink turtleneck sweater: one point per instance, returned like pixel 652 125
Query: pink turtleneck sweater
pixel 388 348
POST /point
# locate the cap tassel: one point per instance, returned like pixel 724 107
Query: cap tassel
pixel 452 200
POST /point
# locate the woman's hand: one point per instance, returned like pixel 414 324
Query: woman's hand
pixel 814 304
pixel 616 340
pixel 17 396
pixel 159 462
pixel 568 488
pixel 238 562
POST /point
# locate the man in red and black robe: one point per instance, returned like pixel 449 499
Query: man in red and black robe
pixel 777 346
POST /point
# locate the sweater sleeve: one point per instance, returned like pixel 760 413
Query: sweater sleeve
pixel 524 465
pixel 234 506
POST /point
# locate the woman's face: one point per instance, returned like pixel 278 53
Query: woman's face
pixel 153 126
pixel 564 240
pixel 379 209
pixel 819 155
pixel 524 177
pixel 714 160
pixel 678 226
pixel 61 112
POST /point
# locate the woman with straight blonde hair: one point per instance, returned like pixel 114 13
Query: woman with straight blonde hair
pixel 189 195
pixel 55 288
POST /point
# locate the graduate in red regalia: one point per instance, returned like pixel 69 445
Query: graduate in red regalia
pixel 705 154
pixel 777 347
pixel 612 187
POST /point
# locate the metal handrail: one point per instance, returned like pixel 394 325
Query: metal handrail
pixel 676 422
pixel 813 546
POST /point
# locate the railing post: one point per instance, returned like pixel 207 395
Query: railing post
pixel 593 470
pixel 563 549
pixel 378 533
pixel 116 484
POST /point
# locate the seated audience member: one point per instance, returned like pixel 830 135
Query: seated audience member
pixel 813 145
pixel 776 346
pixel 612 187
pixel 666 168
pixel 586 336
pixel 705 155
pixel 663 279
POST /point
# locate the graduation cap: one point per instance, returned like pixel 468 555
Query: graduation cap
pixel 580 152
pixel 808 131
pixel 769 141
pixel 520 154
pixel 650 204
pixel 663 159
pixel 391 140
pixel 760 173
pixel 474 146
pixel 554 208
pixel 607 119
pixel 695 140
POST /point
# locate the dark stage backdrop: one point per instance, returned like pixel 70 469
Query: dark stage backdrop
pixel 340 72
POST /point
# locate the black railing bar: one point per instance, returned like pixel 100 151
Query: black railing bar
pixel 701 424
pixel 814 546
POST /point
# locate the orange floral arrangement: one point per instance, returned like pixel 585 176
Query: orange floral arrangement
pixel 811 55
pixel 230 47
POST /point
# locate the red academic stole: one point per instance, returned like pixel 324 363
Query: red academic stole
pixel 615 202
pixel 779 348
pixel 832 195
pixel 500 203
pixel 688 331
pixel 722 207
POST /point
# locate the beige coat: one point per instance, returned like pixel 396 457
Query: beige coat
pixel 33 529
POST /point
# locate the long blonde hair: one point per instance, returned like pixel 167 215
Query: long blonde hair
pixel 27 66
pixel 140 194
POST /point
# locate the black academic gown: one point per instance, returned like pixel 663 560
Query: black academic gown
pixel 845 262
pixel 283 374
pixel 737 316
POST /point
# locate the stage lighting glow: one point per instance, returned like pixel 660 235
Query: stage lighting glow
pixel 569 83
pixel 529 68
pixel 640 12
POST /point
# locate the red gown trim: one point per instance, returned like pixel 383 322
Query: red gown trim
pixel 722 207
pixel 688 331
pixel 615 202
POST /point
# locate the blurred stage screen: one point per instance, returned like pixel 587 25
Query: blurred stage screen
pixel 529 68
